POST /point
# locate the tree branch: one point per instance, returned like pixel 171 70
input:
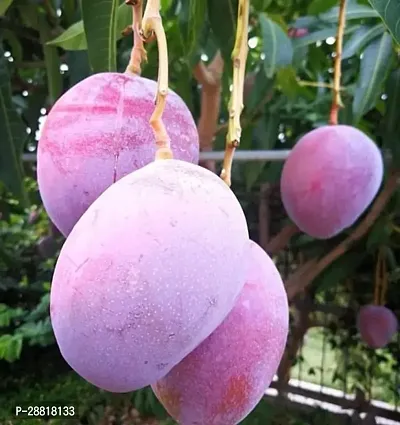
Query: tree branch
pixel 280 241
pixel 210 79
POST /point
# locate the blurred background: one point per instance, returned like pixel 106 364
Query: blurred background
pixel 328 375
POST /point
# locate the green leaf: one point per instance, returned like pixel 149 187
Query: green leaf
pixel 261 90
pixel 320 35
pixel 12 140
pixel 338 271
pixel 261 5
pixel 320 6
pixel 277 46
pixel 191 19
pixel 353 11
pixel 288 83
pixel 391 120
pixel 379 234
pixel 223 18
pixel 15 45
pixel 360 39
pixel 10 347
pixel 265 137
pixel 4 5
pixel 100 21
pixel 74 38
pixel 79 67
pixel 389 11
pixel 29 15
pixel 392 104
pixel 374 67
pixel 52 62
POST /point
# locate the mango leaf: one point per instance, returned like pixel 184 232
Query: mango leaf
pixel 99 20
pixel 353 11
pixel 10 347
pixel 360 39
pixel 13 136
pixel 389 11
pixel 277 46
pixel 15 44
pixel 261 89
pixel 374 67
pixel 74 38
pixel 340 270
pixel 52 62
pixel 265 136
pixel 261 5
pixel 320 6
pixel 191 19
pixel 222 15
pixel 379 234
pixel 79 67
pixel 391 120
pixel 4 5
pixel 287 82
pixel 320 35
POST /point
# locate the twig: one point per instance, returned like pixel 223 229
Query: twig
pixel 239 57
pixel 280 241
pixel 210 79
pixel 138 54
pixel 318 85
pixel 152 25
pixel 337 101
pixel 296 283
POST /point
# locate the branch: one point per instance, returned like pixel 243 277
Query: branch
pixel 337 101
pixel 239 57
pixel 298 282
pixel 138 53
pixel 280 241
pixel 209 76
pixel 210 79
pixel 152 25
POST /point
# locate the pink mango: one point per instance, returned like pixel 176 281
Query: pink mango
pixel 377 325
pixel 223 379
pixel 331 176
pixel 98 132
pixel 149 271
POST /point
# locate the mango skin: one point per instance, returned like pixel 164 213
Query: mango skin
pixel 331 176
pixel 98 132
pixel 223 379
pixel 150 270
pixel 377 325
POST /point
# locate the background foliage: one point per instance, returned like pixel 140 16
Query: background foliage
pixel 48 46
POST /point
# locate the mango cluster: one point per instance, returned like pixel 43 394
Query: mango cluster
pixel 157 282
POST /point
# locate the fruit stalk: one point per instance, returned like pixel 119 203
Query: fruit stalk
pixel 239 58
pixel 317 84
pixel 138 54
pixel 152 25
pixel 337 101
